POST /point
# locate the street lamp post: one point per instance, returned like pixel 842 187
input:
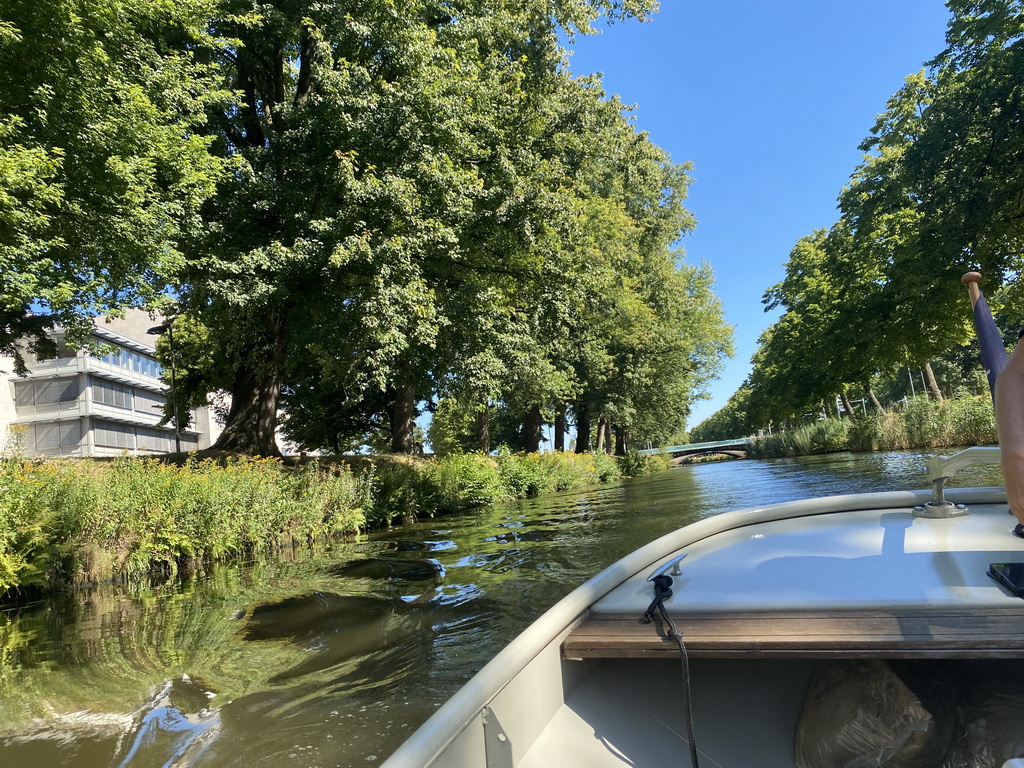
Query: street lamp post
pixel 156 331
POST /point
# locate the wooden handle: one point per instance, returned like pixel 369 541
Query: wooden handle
pixel 971 280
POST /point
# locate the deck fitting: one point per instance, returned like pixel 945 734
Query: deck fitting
pixel 940 510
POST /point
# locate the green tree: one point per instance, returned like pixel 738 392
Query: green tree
pixel 940 192
pixel 404 171
pixel 103 161
pixel 729 421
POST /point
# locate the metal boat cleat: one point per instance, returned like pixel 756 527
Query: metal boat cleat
pixel 672 567
pixel 940 469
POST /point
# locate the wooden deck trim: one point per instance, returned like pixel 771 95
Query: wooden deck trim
pixel 996 632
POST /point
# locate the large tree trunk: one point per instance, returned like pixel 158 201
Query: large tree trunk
pixel 582 428
pixel 621 445
pixel 872 397
pixel 252 419
pixel 602 436
pixel 560 427
pixel 933 386
pixel 845 397
pixel 403 420
pixel 532 427
pixel 483 429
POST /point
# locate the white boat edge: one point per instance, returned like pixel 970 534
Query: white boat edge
pixel 468 705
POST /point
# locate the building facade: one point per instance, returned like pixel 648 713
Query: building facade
pixel 83 404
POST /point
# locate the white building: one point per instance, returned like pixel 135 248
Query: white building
pixel 79 404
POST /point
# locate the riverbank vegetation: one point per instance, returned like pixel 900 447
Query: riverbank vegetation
pixel 919 423
pixel 66 523
pixel 876 300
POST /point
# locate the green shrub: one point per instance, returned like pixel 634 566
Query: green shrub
pixel 918 423
pixel 605 467
pixel 72 521
pixel 829 436
pixel 921 419
pixel 522 479
pixel 564 471
pixel 68 521
pixel 972 421
pixel 464 480
pixel 635 464
pixel 397 488
pixel 869 433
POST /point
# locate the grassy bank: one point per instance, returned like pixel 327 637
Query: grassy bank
pixel 919 423
pixel 71 522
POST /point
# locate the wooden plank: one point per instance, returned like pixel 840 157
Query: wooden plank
pixel 946 633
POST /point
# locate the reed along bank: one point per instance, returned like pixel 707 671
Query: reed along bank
pixel 68 523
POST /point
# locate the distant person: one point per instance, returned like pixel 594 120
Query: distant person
pixel 1010 424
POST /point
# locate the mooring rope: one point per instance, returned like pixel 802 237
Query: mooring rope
pixel 662 592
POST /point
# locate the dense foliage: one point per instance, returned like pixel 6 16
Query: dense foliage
pixel 919 423
pixel 103 162
pixel 357 208
pixel 877 297
pixel 72 522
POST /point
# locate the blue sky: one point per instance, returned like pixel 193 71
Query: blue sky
pixel 769 101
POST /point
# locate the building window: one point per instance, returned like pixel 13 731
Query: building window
pixel 155 440
pixel 34 393
pixel 112 394
pixel 135 362
pixel 113 357
pixel 149 403
pixel 110 435
pixel 128 437
pixel 58 438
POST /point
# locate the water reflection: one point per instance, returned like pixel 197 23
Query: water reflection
pixel 177 722
pixel 333 659
pixel 331 629
pixel 380 568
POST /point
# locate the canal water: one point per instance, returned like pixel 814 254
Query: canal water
pixel 333 658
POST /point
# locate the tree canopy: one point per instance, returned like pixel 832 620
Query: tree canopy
pixel 938 193
pixel 103 161
pixel 356 208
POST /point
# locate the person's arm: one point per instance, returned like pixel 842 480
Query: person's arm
pixel 1010 424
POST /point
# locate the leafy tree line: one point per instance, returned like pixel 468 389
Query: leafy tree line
pixel 349 209
pixel 939 193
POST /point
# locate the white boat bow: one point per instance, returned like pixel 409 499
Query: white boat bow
pixel 762 596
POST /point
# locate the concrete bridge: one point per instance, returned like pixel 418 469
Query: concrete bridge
pixel 736 447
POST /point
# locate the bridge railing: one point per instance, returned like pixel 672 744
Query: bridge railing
pixel 736 444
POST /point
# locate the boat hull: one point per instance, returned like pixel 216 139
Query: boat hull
pixel 549 700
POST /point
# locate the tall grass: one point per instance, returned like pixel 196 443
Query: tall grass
pixel 404 487
pixel 67 522
pixel 918 423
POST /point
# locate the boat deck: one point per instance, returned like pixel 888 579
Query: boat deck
pixel 909 587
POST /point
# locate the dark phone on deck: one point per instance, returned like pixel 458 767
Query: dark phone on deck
pixel 1010 575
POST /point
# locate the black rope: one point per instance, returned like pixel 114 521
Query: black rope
pixel 662 592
